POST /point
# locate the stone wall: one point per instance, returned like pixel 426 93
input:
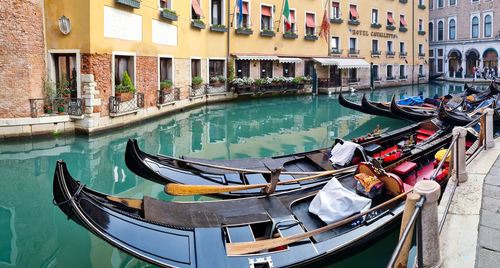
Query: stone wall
pixel 99 65
pixel 147 79
pixel 22 56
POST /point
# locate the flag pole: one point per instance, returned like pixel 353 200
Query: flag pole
pixel 281 16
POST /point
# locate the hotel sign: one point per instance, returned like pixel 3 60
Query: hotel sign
pixel 373 34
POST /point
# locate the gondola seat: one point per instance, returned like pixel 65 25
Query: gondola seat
pixel 405 168
pixel 425 132
pixel 373 149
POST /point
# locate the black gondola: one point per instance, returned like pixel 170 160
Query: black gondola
pixel 198 234
pixel 460 118
pixel 376 108
pixel 433 76
pixel 165 169
pixel 349 104
pixel 414 114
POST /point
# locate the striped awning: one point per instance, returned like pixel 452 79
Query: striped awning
pixel 343 63
pixel 257 57
pixel 289 60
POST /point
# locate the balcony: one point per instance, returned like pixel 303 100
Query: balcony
pixel 290 35
pixel 403 54
pixel 267 33
pixel 219 28
pixel 353 22
pixel 168 96
pixel 376 25
pixel 390 78
pixel 311 37
pixel 403 77
pixel 390 27
pixel 403 29
pixel 353 52
pixel 421 32
pixel 198 24
pixel 129 3
pixel 336 51
pixel 421 55
pixel 169 15
pixel 244 31
pixel 197 91
pixel 336 20
pixel 375 53
pixel 121 105
pixel 421 6
pixel 56 106
pixel 390 54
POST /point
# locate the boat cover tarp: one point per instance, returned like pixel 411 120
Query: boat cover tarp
pixel 334 202
pixel 411 100
pixel 342 154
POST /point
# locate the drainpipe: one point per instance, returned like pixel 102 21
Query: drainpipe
pixel 228 57
pixel 413 41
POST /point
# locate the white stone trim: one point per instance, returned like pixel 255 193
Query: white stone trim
pixel 224 72
pixel 482 25
pixel 162 56
pixel 305 21
pixel 51 64
pixel 472 15
pixel 223 12
pixel 456 26
pixel 272 16
pixel 121 53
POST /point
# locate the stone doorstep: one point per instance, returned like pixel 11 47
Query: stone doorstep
pixel 34 121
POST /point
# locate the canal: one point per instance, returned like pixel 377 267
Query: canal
pixel 34 233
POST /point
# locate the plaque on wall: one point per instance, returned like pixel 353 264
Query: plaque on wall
pixel 164 33
pixel 122 25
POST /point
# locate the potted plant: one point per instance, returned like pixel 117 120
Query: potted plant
pixel 126 89
pixel 166 86
pixel 196 82
pixel 297 80
pixel 49 93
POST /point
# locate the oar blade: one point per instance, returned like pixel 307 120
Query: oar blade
pixel 183 189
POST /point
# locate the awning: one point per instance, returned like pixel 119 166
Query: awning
pixel 257 57
pixel 310 21
pixel 402 20
pixel 196 7
pixel 335 4
pixel 266 11
pixel 343 63
pixel 289 60
pixel 245 8
pixel 354 12
pixel 389 18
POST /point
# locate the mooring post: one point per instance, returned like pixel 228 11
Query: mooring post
pixel 459 154
pixel 411 200
pixel 429 217
pixel 489 128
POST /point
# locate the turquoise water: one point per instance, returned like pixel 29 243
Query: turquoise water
pixel 34 233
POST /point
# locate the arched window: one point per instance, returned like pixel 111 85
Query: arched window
pixel 487 26
pixel 475 27
pixel 440 31
pixel 431 31
pixel 452 29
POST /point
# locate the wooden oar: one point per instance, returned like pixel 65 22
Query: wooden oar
pixel 250 247
pixel 185 189
pixel 238 169
pixel 479 110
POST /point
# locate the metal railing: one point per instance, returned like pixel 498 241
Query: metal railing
pixel 57 106
pixel 216 88
pixel 197 91
pixel 125 104
pixel 168 95
pixel 327 82
pixel 263 88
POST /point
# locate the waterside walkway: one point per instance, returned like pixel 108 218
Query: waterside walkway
pixel 471 233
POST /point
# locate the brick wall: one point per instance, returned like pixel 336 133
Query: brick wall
pixel 100 66
pixel 147 79
pixel 22 56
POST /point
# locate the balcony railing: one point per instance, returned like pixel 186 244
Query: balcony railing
pixel 266 88
pixel 166 96
pixel 122 104
pixel 403 54
pixel 353 52
pixel 390 78
pixel 403 77
pixel 375 53
pixel 61 106
pixel 196 91
pixel 336 51
pixel 327 82
pixel 390 54
pixel 421 32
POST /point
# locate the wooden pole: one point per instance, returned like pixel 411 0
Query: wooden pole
pixel 411 200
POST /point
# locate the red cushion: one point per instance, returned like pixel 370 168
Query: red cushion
pixel 425 132
pixel 422 137
pixel 386 151
pixel 405 168
pixel 468 143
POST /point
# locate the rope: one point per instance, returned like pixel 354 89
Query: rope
pixel 80 188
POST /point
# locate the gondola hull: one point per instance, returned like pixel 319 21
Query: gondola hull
pixel 411 114
pixel 376 108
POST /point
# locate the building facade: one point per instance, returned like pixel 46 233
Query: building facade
pixel 97 51
pixel 463 36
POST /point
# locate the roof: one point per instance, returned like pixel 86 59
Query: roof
pixel 343 63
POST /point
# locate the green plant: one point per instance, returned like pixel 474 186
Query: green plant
pixel 218 26
pixel 67 91
pixel 310 35
pixel 121 88
pixel 127 82
pixel 166 84
pixel 214 79
pixel 244 29
pixel 268 31
pixel 297 80
pixel 230 70
pixel 170 11
pixel 197 80
pixel 199 21
pixel 222 78
pixel 259 81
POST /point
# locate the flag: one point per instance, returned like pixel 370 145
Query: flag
pixel 240 15
pixel 325 27
pixel 286 14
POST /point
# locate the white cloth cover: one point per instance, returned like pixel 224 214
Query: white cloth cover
pixel 334 203
pixel 342 154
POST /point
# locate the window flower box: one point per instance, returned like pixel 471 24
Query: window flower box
pixel 376 25
pixel 421 55
pixel 403 1
pixel 403 29
pixel 169 15
pixel 246 31
pixel 336 51
pixel 390 27
pixel 311 37
pixel 375 53
pixel 290 35
pixel 129 3
pixel 421 6
pixel 353 22
pixel 218 28
pixel 198 24
pixel 403 54
pixel 336 20
pixel 267 33
pixel 421 32
pixel 390 54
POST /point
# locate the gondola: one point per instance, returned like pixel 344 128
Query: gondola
pixel 433 76
pixel 470 90
pixel 349 104
pixel 462 118
pixel 376 108
pixel 413 114
pixel 202 234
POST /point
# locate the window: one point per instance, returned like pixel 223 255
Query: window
pixel 166 69
pixel 216 67
pixel 289 69
pixel 440 52
pixel 310 24
pixel 353 74
pixel 402 71
pixel 440 3
pixel 487 26
pixel 440 66
pixel 374 16
pixel 421 70
pixel 266 21
pixel 420 2
pixel 420 24
pixel 402 21
pixel 166 4
pixel 431 4
pixel 375 47
pixel 243 68
pixel 65 71
pixel 452 31
pixel 475 27
pixel 431 53
pixel 217 12
pixel 402 47
pixel 293 28
pixel 245 22
pixel 390 19
pixel 376 75
pixel 196 12
pixel 336 10
pixel 124 64
pixel 431 31
pixel 389 72
pixel 453 2
pixel 440 31
pixel 308 68
pixel 266 68
pixel 353 12
pixel 335 43
pixel 195 68
pixel 352 45
pixel 390 46
pixel 421 49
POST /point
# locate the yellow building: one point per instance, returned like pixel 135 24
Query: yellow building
pixel 93 43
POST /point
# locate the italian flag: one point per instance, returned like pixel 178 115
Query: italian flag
pixel 286 14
